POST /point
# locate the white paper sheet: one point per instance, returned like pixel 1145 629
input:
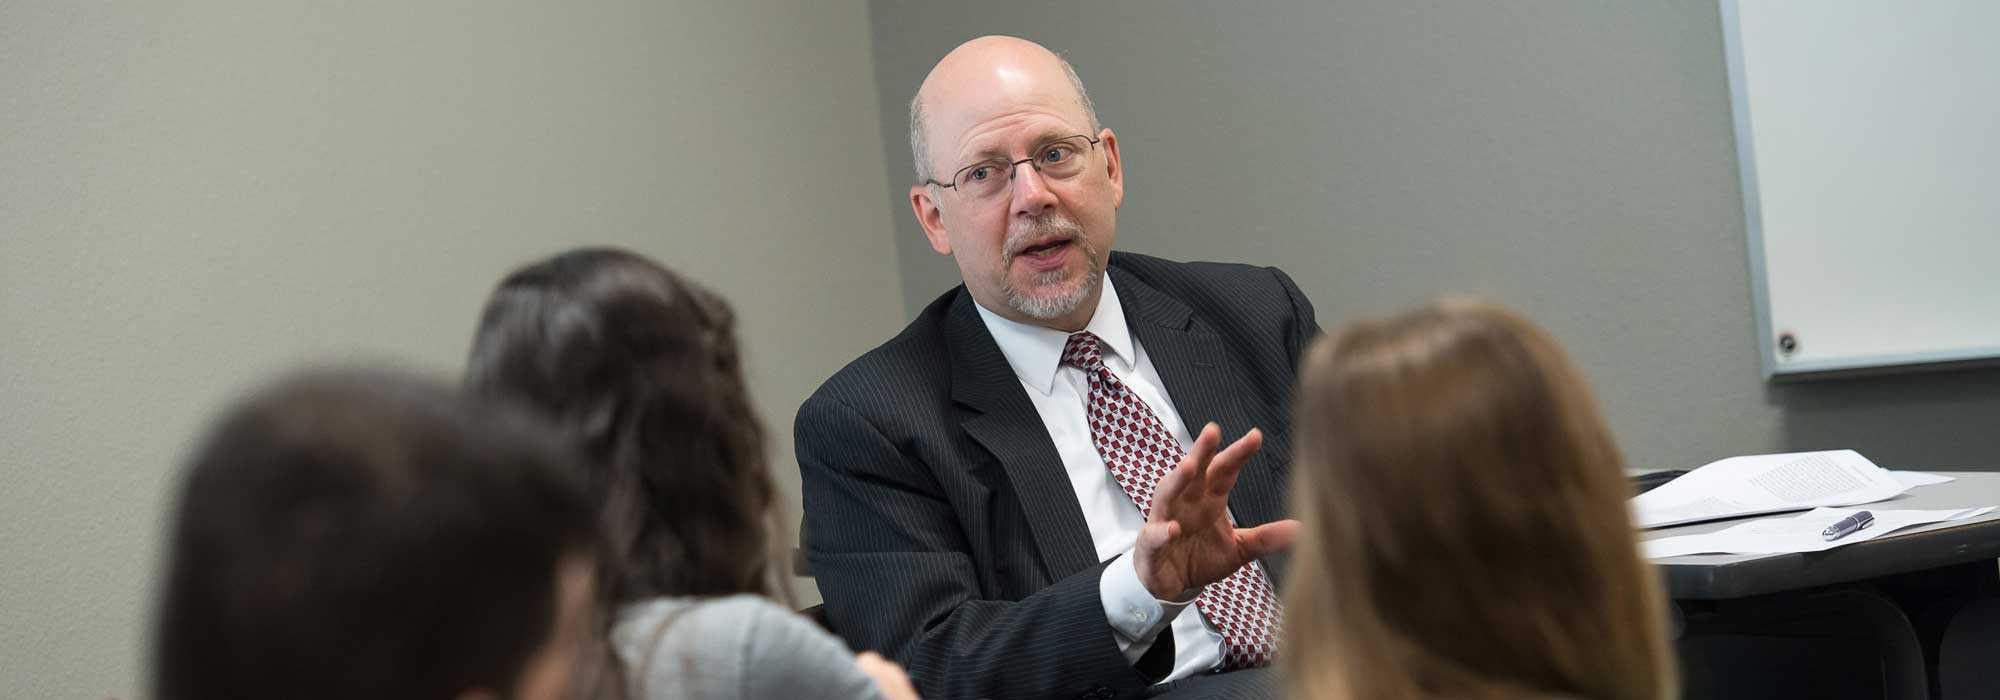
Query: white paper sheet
pixel 1760 484
pixel 1799 533
pixel 1915 479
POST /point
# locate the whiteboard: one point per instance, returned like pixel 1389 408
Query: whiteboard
pixel 1868 135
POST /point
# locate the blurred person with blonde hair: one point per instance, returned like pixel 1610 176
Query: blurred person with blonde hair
pixel 1465 528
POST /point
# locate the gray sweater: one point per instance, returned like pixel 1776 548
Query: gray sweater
pixel 742 647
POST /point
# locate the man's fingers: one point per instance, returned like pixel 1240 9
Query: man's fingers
pixel 1223 470
pixel 1267 538
pixel 1190 468
pixel 1205 444
pixel 1170 487
pixel 1153 536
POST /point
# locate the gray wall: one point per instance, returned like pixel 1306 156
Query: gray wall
pixel 1572 159
pixel 195 196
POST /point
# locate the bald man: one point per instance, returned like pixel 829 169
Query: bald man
pixel 1027 492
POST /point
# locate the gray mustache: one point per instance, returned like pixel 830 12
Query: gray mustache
pixel 1065 229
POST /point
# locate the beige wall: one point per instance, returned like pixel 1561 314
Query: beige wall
pixel 193 198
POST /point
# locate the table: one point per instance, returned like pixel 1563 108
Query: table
pixel 1863 620
pixel 1723 576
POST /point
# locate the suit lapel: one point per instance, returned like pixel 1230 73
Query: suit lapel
pixel 1193 362
pixel 1009 427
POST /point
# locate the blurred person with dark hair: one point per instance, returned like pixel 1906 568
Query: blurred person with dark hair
pixel 368 535
pixel 1465 528
pixel 641 368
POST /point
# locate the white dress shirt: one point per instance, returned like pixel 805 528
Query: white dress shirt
pixel 1059 394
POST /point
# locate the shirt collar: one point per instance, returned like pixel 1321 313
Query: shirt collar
pixel 1035 352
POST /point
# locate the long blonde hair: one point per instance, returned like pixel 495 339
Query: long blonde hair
pixel 1466 534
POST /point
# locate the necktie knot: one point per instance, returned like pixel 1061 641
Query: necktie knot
pixel 1083 351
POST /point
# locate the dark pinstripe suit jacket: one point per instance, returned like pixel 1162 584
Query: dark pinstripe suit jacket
pixel 941 522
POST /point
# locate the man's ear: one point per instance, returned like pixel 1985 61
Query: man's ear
pixel 930 217
pixel 1114 167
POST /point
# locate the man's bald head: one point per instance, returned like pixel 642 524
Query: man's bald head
pixel 980 65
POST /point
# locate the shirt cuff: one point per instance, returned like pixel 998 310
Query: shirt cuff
pixel 1134 613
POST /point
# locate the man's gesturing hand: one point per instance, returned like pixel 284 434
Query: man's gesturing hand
pixel 1188 541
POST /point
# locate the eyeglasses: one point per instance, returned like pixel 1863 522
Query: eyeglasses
pixel 1060 159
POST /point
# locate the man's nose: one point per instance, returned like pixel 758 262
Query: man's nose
pixel 1031 192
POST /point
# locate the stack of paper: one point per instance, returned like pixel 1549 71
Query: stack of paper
pixel 1915 479
pixel 1799 533
pixel 1762 484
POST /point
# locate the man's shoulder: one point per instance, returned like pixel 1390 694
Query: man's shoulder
pixel 1210 287
pixel 1190 271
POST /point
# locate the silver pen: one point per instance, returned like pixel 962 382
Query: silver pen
pixel 1848 526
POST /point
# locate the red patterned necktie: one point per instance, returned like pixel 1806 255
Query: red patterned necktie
pixel 1139 451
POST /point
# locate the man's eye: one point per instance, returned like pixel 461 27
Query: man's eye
pixel 1056 155
pixel 979 174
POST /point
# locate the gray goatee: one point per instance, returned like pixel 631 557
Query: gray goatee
pixel 1055 293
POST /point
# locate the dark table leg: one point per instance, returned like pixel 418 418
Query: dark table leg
pixel 1834 643
pixel 1952 608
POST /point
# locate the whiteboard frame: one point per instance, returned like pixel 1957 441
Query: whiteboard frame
pixel 1760 292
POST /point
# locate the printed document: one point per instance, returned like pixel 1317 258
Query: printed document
pixel 1760 484
pixel 1915 479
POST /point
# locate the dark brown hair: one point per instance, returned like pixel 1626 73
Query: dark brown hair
pixel 641 368
pixel 366 535
pixel 1466 533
